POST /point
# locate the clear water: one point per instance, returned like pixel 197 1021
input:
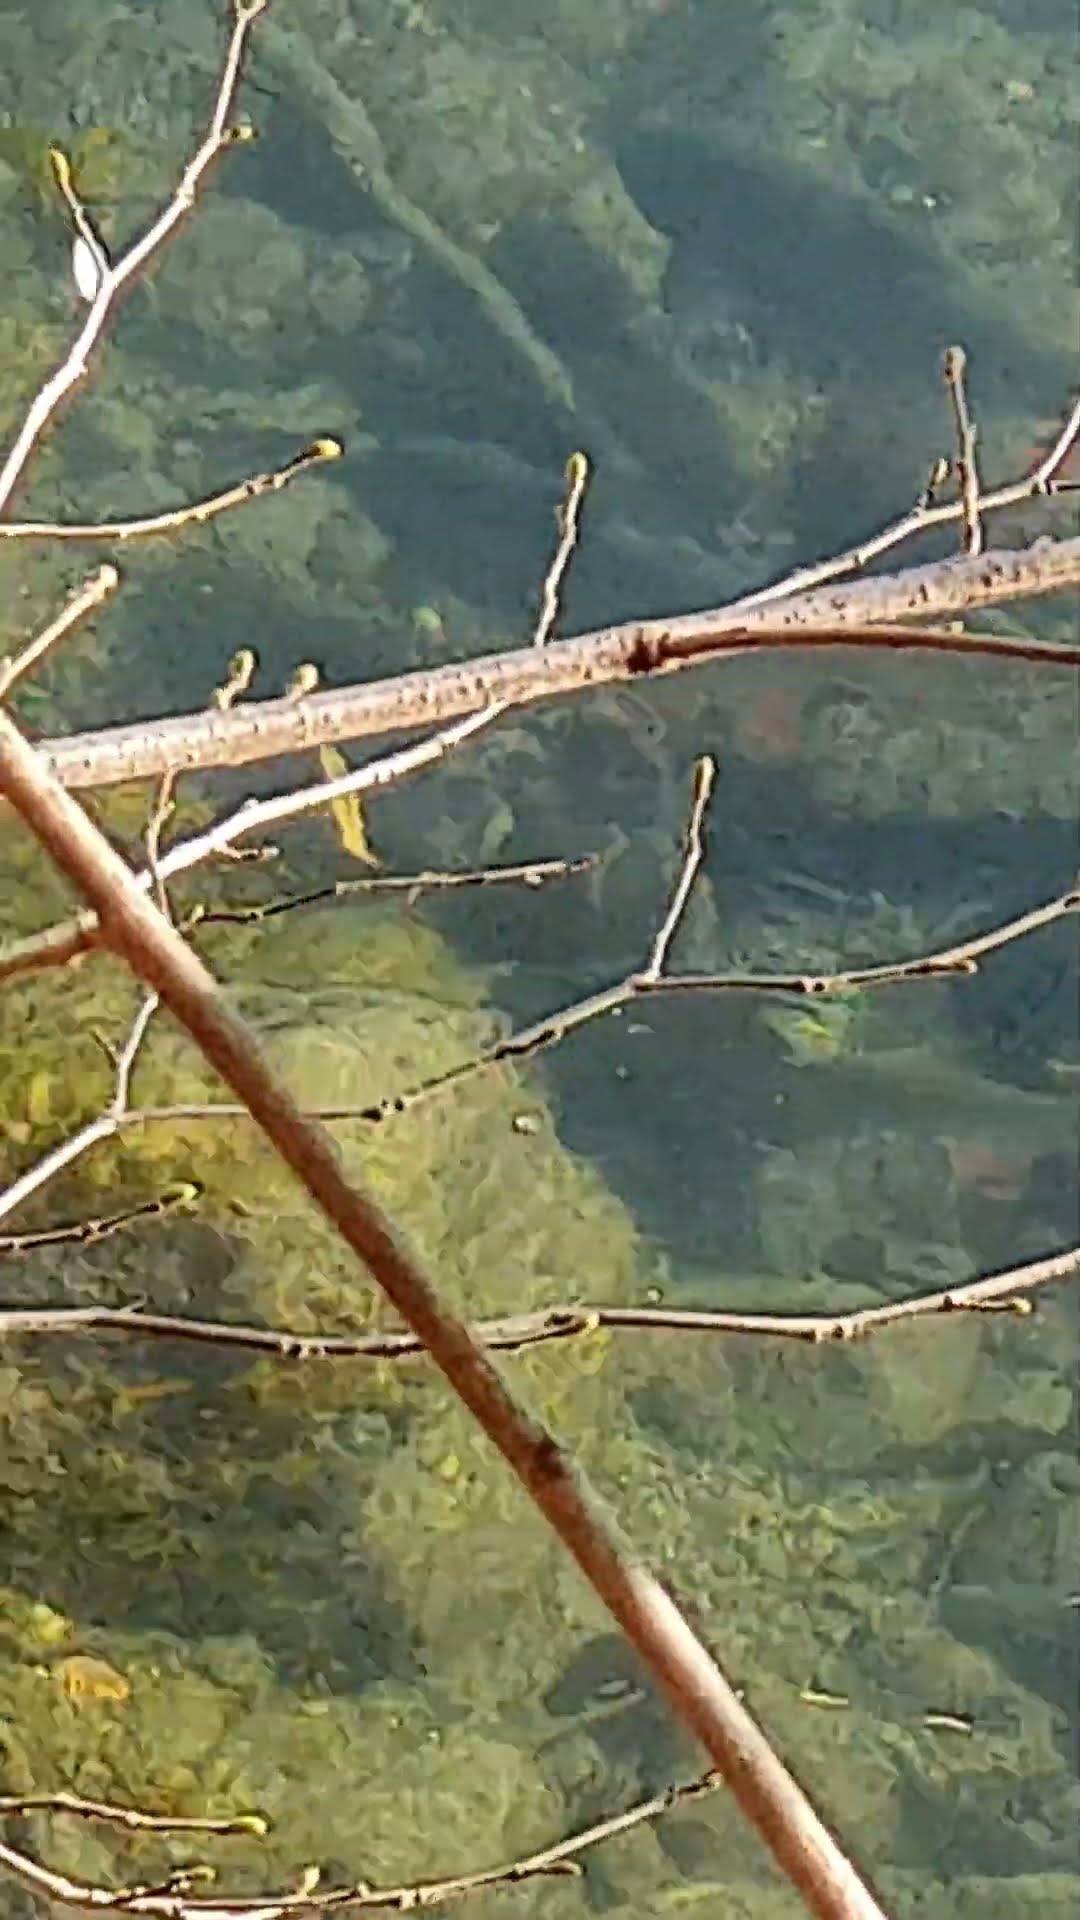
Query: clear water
pixel 721 250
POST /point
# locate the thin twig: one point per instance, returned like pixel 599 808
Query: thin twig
pixel 1004 1292
pixel 1042 478
pixel 954 370
pixel 56 945
pixel 693 854
pixel 926 514
pixel 86 1233
pixel 527 873
pixel 957 960
pixel 116 275
pixel 242 669
pixel 255 815
pixel 84 601
pixel 116 1115
pixel 195 513
pixel 569 525
pixel 376 775
pixel 552 1028
pixel 173 1899
pixel 133 1818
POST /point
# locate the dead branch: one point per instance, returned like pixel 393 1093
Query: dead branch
pixel 129 914
pixel 960 959
pixel 103 1127
pixel 56 945
pixel 954 370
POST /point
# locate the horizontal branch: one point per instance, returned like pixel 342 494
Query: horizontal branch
pixel 1004 1292
pixel 855 614
pixel 175 1898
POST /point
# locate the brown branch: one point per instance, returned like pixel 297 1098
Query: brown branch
pixel 962 958
pixel 866 613
pixel 527 873
pixel 954 370
pixel 698 1692
pixel 173 1899
pixel 115 276
pixel 1004 1292
pixel 86 1233
pixel 552 1028
pixel 958 960
pixel 57 945
pixel 196 513
pixel 884 637
pixel 89 596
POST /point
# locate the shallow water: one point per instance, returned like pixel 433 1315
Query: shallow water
pixel 469 240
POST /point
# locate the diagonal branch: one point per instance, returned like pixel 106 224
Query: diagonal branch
pixel 173 519
pixel 862 613
pixel 699 1693
pixel 89 595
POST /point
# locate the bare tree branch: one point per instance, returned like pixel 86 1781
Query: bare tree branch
pixel 954 369
pixel 852 615
pixel 130 915
pixel 84 601
pixel 196 513
pixel 103 1128
pixel 526 873
pixel 85 1233
pixel 1004 1292
pixel 927 514
pixel 114 277
pixel 175 1900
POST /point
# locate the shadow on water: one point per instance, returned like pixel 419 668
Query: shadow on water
pixel 831 280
